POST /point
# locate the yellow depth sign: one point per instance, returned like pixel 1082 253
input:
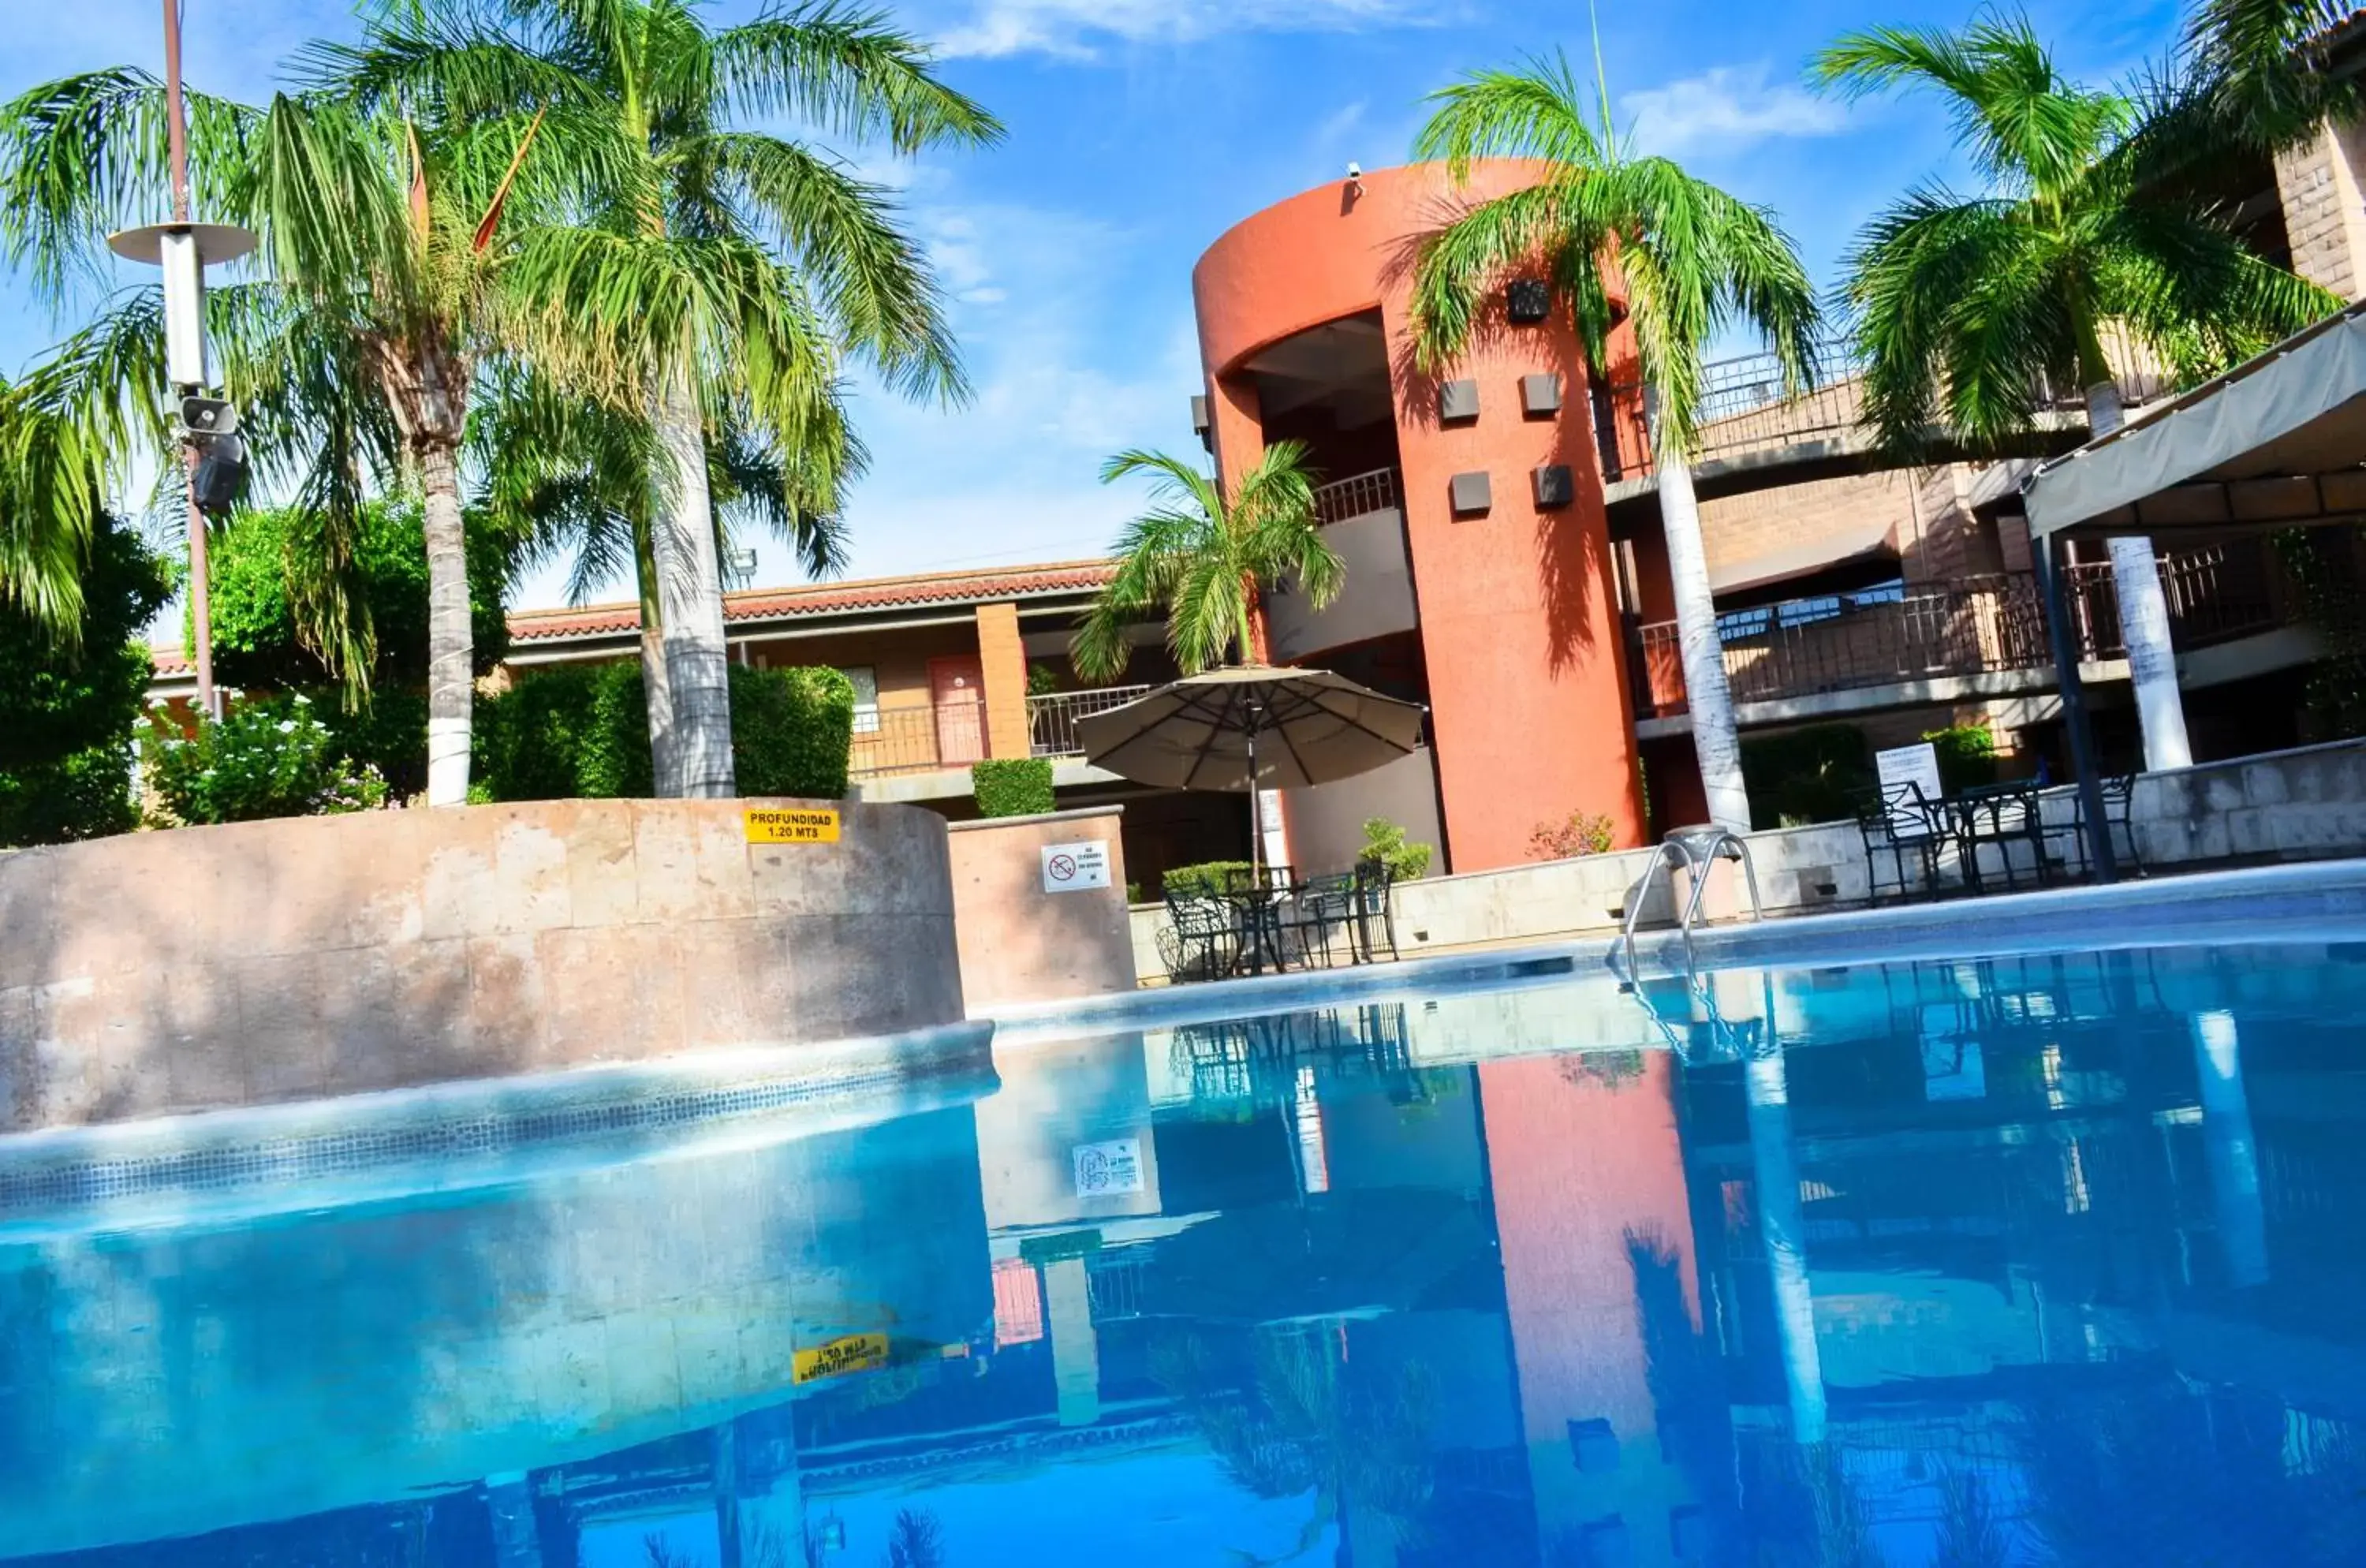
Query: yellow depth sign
pixel 772 826
pixel 853 1353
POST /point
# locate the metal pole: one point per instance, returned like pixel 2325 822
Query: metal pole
pixel 201 619
pixel 2048 566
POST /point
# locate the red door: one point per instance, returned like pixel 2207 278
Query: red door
pixel 957 688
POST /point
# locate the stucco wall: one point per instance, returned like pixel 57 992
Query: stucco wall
pixel 285 960
pixel 1021 943
pixel 1529 705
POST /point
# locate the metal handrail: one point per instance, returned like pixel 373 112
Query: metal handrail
pixel 1696 849
pixel 1376 491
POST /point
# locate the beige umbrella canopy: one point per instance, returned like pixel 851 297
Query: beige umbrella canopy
pixel 1285 728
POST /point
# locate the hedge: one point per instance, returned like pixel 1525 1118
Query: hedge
pixel 792 730
pixel 1966 756
pixel 1806 775
pixel 67 714
pixel 1013 787
pixel 582 732
pixel 1211 879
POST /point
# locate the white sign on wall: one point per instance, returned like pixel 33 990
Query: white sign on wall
pixel 1076 868
pixel 1106 1169
pixel 1916 765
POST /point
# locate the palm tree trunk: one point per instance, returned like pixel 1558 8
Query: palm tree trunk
pixel 450 683
pixel 1716 746
pixel 665 758
pixel 690 604
pixel 2144 617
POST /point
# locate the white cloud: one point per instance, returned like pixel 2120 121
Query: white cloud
pixel 1079 30
pixel 1726 108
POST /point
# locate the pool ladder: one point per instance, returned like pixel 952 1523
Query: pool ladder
pixel 1696 850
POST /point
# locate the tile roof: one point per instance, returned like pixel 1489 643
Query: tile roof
pixel 780 603
pixel 830 598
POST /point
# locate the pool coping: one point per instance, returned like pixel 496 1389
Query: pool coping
pixel 392 1144
pixel 2310 901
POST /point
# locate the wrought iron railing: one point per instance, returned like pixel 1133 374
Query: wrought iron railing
pixel 1357 494
pixel 1052 717
pixel 1850 641
pixel 1745 406
pixel 909 740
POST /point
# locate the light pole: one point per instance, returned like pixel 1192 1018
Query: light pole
pixel 183 249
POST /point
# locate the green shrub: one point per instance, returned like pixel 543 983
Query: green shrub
pixel 1817 775
pixel 1013 787
pixel 269 758
pixel 1208 880
pixel 256 561
pixel 792 730
pixel 68 715
pixel 1384 844
pixel 575 731
pixel 582 732
pixel 1966 756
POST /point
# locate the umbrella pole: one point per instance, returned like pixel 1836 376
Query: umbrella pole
pixel 1256 818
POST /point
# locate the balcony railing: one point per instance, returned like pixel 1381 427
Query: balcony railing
pixel 1052 719
pixel 1744 407
pixel 1850 641
pixel 1357 494
pixel 916 739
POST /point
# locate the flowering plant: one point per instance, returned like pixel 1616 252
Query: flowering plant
pixel 268 758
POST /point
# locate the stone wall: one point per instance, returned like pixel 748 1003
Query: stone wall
pixel 286 960
pixel 1020 941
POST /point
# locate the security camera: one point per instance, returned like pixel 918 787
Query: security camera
pixel 1355 170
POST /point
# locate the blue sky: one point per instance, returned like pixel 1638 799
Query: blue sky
pixel 1140 130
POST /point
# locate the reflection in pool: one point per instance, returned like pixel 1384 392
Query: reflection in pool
pixel 2051 1259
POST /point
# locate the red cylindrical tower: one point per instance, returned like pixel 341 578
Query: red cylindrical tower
pixel 1504 612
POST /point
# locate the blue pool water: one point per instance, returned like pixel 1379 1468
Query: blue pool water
pixel 2032 1260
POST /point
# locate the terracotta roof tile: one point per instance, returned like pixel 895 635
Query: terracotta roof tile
pixel 830 598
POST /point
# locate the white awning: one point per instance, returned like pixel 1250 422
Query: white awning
pixel 2277 442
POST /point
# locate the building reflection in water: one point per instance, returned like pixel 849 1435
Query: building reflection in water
pixel 2047 1260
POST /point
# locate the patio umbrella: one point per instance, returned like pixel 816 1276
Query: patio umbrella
pixel 1255 728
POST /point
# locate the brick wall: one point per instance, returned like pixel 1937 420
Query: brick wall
pixel 2324 217
pixel 1934 531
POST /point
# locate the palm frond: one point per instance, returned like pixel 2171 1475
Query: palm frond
pixel 2012 110
pixel 1536 111
pixel 851 72
pixel 1457 268
pixel 841 232
pixel 2266 64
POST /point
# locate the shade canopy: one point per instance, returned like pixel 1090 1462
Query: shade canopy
pixel 2277 443
pixel 1301 727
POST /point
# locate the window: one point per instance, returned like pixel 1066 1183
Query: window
pixel 867 699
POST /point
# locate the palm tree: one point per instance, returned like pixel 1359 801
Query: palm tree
pixel 681 289
pixel 1967 308
pixel 576 480
pixel 389 280
pixel 52 491
pixel 1202 559
pixel 1693 260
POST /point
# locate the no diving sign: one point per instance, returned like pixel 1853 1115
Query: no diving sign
pixel 1076 868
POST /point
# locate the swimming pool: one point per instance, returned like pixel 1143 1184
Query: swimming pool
pixel 2024 1257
